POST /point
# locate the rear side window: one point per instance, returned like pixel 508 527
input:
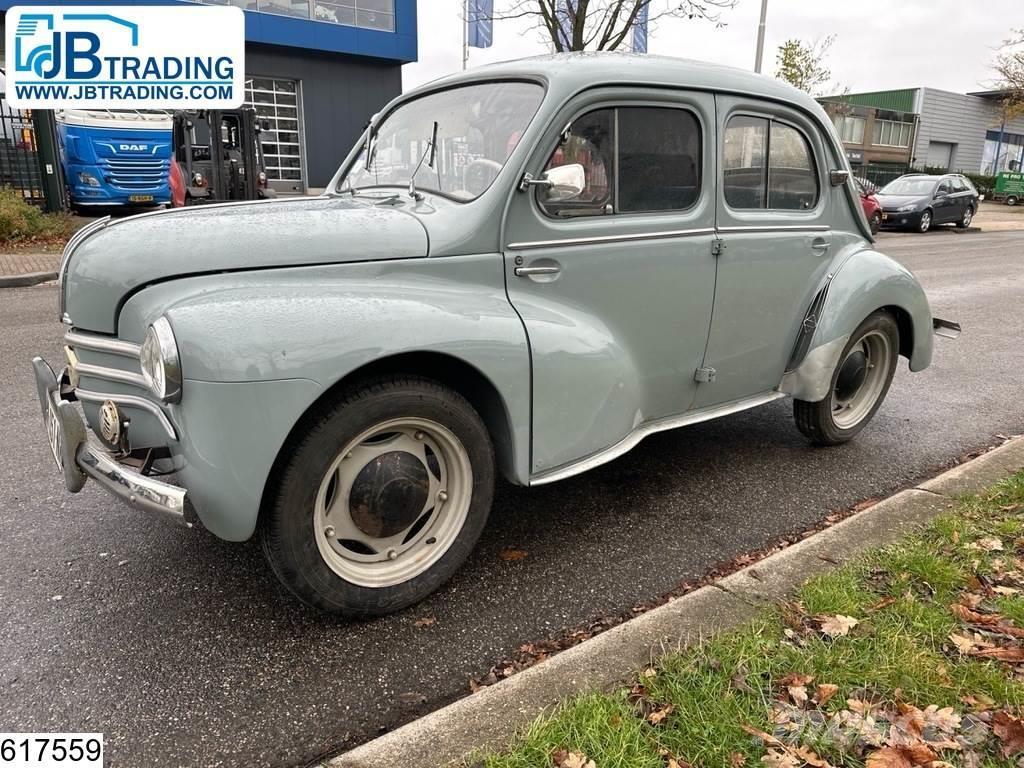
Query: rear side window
pixel 767 165
pixel 635 160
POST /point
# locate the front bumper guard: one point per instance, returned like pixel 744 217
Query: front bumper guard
pixel 81 458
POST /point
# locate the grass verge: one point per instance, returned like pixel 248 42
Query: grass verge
pixel 911 656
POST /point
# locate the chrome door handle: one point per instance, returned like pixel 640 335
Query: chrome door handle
pixel 546 270
pixel 820 244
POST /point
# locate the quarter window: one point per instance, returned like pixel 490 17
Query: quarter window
pixel 656 168
pixel 767 165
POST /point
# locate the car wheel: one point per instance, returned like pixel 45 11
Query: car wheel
pixel 926 222
pixel 876 222
pixel 383 495
pixel 965 220
pixel 859 384
pixel 1012 200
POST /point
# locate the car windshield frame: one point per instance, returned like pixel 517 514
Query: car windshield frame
pixel 436 106
pixel 931 182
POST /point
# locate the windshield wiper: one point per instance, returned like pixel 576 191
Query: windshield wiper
pixel 432 153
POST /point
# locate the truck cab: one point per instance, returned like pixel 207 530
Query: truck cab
pixel 115 157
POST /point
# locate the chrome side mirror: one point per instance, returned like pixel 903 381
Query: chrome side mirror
pixel 838 176
pixel 563 182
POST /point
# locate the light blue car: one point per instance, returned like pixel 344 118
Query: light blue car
pixel 524 269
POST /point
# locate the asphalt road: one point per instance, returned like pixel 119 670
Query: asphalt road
pixel 184 650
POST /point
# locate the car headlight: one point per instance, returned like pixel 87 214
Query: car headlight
pixel 158 357
pixel 907 208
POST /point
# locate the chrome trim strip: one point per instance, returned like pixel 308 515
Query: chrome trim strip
pixel 131 401
pixel 137 490
pixel 645 430
pixel 777 228
pixel 599 239
pixel 112 374
pixel 102 344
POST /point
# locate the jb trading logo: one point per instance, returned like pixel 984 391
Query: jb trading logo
pixel 105 56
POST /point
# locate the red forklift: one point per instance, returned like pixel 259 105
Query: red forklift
pixel 219 157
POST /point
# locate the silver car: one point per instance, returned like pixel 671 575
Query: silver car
pixel 524 269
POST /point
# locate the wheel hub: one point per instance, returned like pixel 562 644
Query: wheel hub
pixel 851 375
pixel 389 494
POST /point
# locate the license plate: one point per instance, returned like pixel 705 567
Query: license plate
pixel 140 198
pixel 55 435
pixel 885 216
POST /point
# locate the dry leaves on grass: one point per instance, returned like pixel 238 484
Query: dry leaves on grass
pixel 1010 732
pixel 563 758
pixel 836 626
pixel 989 635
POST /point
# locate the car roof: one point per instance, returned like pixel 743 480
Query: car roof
pixel 575 71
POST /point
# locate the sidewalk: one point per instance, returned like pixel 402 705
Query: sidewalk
pixel 21 269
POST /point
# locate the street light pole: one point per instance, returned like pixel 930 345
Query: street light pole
pixel 465 34
pixel 760 36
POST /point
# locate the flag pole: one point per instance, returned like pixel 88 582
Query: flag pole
pixel 465 34
pixel 760 37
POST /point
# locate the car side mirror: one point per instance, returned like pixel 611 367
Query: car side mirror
pixel 838 176
pixel 565 182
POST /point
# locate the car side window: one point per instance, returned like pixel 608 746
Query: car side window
pixel 657 167
pixel 767 164
pixel 944 188
pixel 958 185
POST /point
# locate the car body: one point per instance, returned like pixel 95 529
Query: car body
pixel 525 270
pixel 868 200
pixel 920 201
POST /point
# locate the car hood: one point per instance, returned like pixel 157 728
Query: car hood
pixel 117 259
pixel 897 201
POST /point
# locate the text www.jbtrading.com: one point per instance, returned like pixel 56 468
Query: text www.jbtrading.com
pixel 130 91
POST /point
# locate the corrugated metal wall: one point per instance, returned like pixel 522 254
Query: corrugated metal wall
pixel 959 120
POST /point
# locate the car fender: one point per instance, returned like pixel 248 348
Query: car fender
pixel 864 283
pixel 305 330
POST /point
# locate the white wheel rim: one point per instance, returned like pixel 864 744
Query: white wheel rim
pixel 926 221
pixel 852 404
pixel 370 542
pixel 968 215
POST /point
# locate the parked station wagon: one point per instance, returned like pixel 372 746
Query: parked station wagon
pixel 524 269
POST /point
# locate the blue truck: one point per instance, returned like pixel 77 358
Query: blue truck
pixel 116 157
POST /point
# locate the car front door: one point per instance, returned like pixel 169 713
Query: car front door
pixel 612 271
pixel 774 217
pixel 945 207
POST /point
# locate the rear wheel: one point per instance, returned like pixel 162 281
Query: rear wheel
pixel 859 384
pixel 1012 200
pixel 926 222
pixel 383 496
pixel 965 220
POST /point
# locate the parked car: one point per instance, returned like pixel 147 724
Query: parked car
pixel 524 269
pixel 920 201
pixel 872 208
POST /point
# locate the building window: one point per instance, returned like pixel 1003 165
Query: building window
pixel 369 14
pixel 850 129
pixel 892 134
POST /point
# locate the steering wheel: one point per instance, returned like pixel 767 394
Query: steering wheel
pixel 479 174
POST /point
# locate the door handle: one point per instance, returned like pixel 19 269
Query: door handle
pixel 820 244
pixel 551 269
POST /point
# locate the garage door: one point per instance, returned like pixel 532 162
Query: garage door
pixel 940 154
pixel 279 107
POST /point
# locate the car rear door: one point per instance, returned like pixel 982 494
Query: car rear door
pixel 773 218
pixel 614 284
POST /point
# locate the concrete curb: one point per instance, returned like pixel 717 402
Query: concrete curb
pixel 21 281
pixel 490 717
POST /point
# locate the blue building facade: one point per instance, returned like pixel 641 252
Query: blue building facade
pixel 315 72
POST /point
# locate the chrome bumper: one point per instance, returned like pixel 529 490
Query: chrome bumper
pixel 79 458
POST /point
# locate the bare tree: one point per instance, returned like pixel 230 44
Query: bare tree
pixel 802 64
pixel 1009 69
pixel 604 25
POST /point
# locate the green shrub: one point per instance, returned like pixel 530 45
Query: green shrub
pixel 984 184
pixel 21 221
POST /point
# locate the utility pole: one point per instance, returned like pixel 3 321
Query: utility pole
pixel 465 34
pixel 760 36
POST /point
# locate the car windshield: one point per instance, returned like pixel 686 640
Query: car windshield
pixel 920 186
pixel 478 127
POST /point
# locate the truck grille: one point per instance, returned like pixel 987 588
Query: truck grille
pixel 136 173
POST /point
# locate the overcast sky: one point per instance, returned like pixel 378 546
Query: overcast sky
pixel 880 44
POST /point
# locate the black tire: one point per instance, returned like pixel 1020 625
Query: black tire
pixel 965 220
pixel 876 222
pixel 1012 200
pixel 926 221
pixel 287 522
pixel 816 420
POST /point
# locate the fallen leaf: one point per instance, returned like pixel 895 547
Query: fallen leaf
pixel 964 613
pixel 658 716
pixel 1010 731
pixel 737 760
pixel 798 694
pixel 511 555
pixel 650 672
pixel 1011 655
pixel 824 692
pixel 795 678
pixel 767 738
pixel 988 544
pixel 885 602
pixel 945 719
pixel 1006 591
pixel 963 643
pixel 426 621
pixel 563 758
pixel 906 756
pixel 837 626
pixel 775 758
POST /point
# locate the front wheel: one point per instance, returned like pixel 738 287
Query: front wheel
pixel 382 496
pixel 859 384
pixel 965 220
pixel 925 223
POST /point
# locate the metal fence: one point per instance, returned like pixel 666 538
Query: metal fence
pixel 879 175
pixel 29 158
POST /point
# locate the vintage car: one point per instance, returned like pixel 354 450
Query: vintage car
pixel 524 269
